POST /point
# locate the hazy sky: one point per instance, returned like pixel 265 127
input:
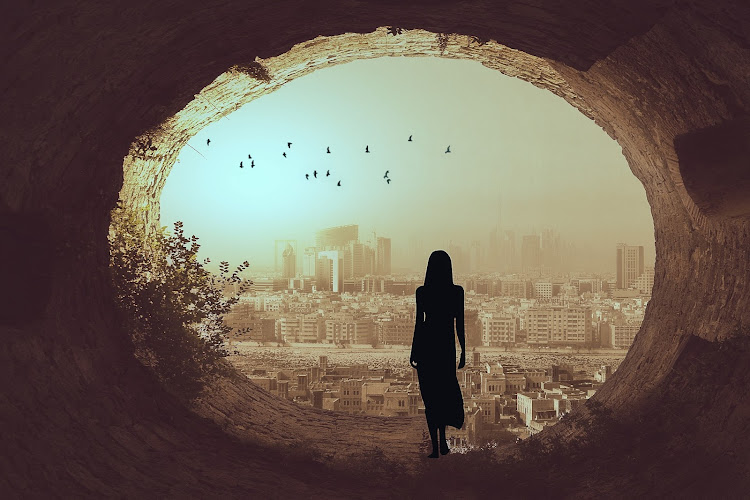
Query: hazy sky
pixel 550 165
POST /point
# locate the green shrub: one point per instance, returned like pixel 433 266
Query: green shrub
pixel 171 305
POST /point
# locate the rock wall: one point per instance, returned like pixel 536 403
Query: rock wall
pixel 668 80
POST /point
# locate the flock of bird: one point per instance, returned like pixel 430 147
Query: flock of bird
pixel 328 151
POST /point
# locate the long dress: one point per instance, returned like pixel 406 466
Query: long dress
pixel 434 350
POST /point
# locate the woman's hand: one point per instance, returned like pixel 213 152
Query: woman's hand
pixel 462 361
pixel 412 361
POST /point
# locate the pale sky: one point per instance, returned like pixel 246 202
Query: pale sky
pixel 550 165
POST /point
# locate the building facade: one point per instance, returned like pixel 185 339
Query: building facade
pixel 629 265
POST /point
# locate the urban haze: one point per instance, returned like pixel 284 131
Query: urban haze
pixel 522 162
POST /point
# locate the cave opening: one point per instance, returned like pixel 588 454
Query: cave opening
pixel 241 177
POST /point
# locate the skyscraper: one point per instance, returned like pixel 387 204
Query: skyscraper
pixel 308 262
pixel 289 262
pixel 629 264
pixel 383 256
pixel 356 264
pixel 279 249
pixel 330 271
pixel 369 262
pixel 323 271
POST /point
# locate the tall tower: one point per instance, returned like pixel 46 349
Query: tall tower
pixel 383 256
pixel 330 272
pixel 356 264
pixel 279 249
pixel 629 264
pixel 308 262
pixel 289 262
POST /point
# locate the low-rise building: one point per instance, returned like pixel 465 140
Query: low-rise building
pixel 531 407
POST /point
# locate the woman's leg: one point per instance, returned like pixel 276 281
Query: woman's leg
pixel 434 438
pixel 443 443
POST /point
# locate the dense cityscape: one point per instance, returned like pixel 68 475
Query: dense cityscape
pixel 344 295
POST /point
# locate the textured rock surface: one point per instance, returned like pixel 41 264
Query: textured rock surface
pixel 81 81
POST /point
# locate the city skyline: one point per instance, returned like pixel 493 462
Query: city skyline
pixel 545 252
pixel 550 165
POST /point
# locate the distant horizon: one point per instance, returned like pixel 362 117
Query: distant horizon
pixel 521 158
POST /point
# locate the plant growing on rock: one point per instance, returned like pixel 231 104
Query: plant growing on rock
pixel 171 305
pixel 253 69
pixel 442 41
pixel 143 145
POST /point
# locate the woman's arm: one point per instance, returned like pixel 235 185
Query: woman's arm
pixel 415 348
pixel 460 327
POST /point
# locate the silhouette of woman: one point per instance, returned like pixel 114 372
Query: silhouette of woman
pixel 433 350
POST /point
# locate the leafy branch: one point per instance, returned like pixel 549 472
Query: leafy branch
pixel 172 306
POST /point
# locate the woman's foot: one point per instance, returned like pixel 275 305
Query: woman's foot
pixel 444 450
pixel 434 454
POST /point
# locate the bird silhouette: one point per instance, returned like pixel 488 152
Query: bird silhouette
pixel 367 149
pixel 386 174
pixel 284 154
pixel 208 142
pixel 448 150
pixel 339 184
pixel 410 139
pixel 289 145
pixel 328 172
pixel 252 164
pixel 249 157
pixel 241 165
pixel 307 176
pixel 328 150
pixel 388 181
pixel 315 174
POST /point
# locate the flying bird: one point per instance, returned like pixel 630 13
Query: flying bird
pixel 249 157
pixel 410 139
pixel 328 150
pixel 386 174
pixel 339 184
pixel 315 174
pixel 252 164
pixel 208 142
pixel 328 172
pixel 448 150
pixel 241 165
pixel 284 154
pixel 289 145
pixel 388 181
pixel 367 149
pixel 307 176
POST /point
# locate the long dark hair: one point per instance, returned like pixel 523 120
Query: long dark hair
pixel 439 270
